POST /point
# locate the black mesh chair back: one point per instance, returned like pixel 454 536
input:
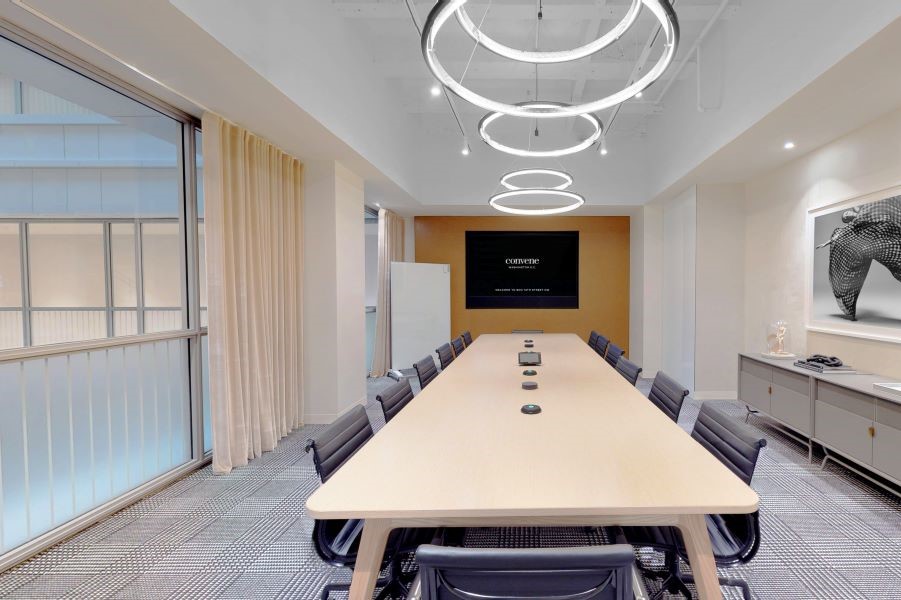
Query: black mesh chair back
pixel 613 354
pixel 426 371
pixel 593 339
pixel 394 398
pixel 458 345
pixel 586 573
pixel 337 540
pixel 734 443
pixel 628 369
pixel 334 445
pixel 467 338
pixel 600 345
pixel 445 355
pixel 668 395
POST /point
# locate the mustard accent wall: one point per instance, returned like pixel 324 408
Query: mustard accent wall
pixel 603 274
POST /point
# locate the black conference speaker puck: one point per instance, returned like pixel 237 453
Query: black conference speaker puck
pixel 530 345
pixel 528 341
pixel 530 385
pixel 530 372
pixel 530 409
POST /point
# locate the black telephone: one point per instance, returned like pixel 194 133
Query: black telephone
pixel 826 361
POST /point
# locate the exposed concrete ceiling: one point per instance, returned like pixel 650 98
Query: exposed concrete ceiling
pixel 345 80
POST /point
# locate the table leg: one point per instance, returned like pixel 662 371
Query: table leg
pixel 369 558
pixel 700 556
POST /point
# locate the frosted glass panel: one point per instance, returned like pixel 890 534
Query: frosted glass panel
pixel 156 321
pixel 10 329
pixel 124 272
pixel 161 259
pixel 66 265
pixel 205 382
pixel 78 430
pixel 10 271
pixel 58 326
pixel 201 265
pixel 125 322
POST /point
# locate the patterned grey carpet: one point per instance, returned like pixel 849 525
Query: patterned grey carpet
pixel 826 534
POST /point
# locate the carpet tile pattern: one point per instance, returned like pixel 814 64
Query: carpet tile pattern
pixel 826 534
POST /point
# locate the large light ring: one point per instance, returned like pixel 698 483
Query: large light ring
pixel 538 57
pixel 586 143
pixel 495 200
pixel 443 10
pixel 566 177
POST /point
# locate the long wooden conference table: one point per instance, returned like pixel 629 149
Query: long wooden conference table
pixel 462 454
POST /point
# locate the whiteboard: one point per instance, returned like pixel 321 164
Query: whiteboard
pixel 420 311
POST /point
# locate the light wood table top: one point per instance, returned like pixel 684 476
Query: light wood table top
pixel 463 448
pixel 462 454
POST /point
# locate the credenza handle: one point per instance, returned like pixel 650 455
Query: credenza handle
pixel 872 431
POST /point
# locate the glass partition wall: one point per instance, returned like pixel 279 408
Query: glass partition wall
pixel 103 393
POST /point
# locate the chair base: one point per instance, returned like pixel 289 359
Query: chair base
pixel 674 580
pixel 391 583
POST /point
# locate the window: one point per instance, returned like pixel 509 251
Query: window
pixel 93 247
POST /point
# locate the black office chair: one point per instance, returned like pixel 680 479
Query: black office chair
pixel 628 369
pixel 426 371
pixel 445 355
pixel 337 540
pixel 735 538
pixel 394 397
pixel 458 345
pixel 613 354
pixel 668 395
pixel 593 339
pixel 592 572
pixel 467 338
pixel 600 345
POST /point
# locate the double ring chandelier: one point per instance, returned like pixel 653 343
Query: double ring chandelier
pixel 559 191
pixel 444 9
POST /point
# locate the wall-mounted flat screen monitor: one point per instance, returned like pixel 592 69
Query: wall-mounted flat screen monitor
pixel 522 269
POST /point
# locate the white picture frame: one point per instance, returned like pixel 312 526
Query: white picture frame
pixel 815 321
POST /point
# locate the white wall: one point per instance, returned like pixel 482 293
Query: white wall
pixel 651 288
pixel 636 286
pixel 865 161
pixel 677 356
pixel 333 320
pixel 719 291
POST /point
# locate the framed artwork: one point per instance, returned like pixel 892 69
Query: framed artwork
pixel 854 283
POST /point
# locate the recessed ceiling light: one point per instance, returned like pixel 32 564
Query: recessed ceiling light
pixel 603 152
pixel 788 145
pixel 639 95
pixel 436 91
pixel 465 151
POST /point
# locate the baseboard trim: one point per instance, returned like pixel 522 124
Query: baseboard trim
pixel 714 395
pixel 326 418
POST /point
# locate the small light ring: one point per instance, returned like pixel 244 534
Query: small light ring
pixel 526 152
pixel 495 202
pixel 563 175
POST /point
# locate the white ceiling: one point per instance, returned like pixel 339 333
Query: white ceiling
pixel 346 80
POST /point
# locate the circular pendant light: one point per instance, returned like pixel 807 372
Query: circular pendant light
pixel 563 175
pixel 547 57
pixel 495 202
pixel 443 10
pixel 586 143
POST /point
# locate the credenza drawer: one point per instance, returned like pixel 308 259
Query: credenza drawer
pixel 845 431
pixel 759 370
pixel 848 400
pixel 790 406
pixel 755 391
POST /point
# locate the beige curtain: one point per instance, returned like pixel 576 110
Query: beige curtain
pixel 253 210
pixel 391 249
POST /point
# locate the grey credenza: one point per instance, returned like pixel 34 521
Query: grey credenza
pixel 857 425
